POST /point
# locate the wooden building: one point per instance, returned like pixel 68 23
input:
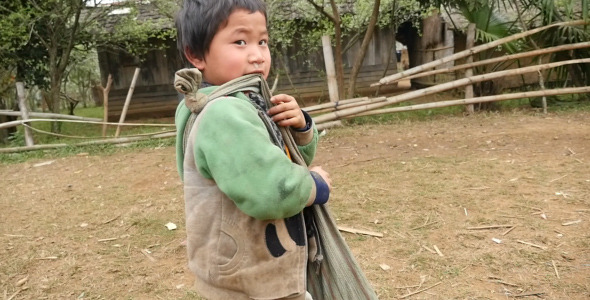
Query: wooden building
pixel 307 80
pixel 154 95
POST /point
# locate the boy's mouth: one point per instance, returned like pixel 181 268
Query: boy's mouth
pixel 257 69
pixel 257 72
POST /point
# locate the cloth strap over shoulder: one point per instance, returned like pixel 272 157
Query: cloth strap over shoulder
pixel 188 81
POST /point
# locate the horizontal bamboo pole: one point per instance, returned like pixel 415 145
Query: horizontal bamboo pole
pixel 471 51
pixel 97 142
pixel 333 104
pixel 350 105
pixel 47 115
pixel 91 137
pixel 20 122
pixel 500 59
pixel 32 148
pixel 550 92
pixel 443 87
pixel 12 124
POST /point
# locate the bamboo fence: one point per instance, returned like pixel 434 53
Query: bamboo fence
pixel 442 87
pixel 501 59
pixel 330 114
pixel 447 103
pixel 468 52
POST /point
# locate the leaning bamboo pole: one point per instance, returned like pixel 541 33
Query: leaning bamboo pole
pixel 465 53
pixel 493 98
pixel 105 103
pixel 127 101
pixel 500 59
pixel 443 87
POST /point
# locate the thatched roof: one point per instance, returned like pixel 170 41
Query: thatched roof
pixel 141 11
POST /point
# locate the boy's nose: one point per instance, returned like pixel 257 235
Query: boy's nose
pixel 256 56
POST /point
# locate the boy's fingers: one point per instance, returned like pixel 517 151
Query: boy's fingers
pixel 289 118
pixel 285 114
pixel 283 107
pixel 286 111
pixel 282 98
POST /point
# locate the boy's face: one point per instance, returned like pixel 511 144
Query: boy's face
pixel 239 48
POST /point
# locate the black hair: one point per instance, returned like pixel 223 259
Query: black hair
pixel 197 22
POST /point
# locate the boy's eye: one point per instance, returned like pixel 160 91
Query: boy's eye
pixel 240 42
pixel 263 43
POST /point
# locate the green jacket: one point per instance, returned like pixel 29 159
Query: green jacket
pixel 233 148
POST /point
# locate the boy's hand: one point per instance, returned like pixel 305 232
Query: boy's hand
pixel 324 175
pixel 286 112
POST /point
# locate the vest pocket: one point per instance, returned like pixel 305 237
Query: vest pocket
pixel 228 251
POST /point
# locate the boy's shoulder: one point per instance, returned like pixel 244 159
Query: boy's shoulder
pixel 211 89
pixel 183 112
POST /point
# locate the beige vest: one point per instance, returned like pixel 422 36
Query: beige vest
pixel 227 249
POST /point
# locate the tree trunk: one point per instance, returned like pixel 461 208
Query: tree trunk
pixel 358 62
pixel 54 102
pixel 335 18
pixel 22 104
pixel 330 70
pixel 59 56
pixel 338 48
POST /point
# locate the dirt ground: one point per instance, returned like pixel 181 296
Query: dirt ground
pixel 489 206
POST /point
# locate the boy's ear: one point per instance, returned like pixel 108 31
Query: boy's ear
pixel 196 62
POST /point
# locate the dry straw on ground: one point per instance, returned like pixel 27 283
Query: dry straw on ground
pixel 438 191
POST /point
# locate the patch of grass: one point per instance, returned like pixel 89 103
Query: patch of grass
pixel 416 115
pixel 576 102
pixel 451 272
pixel 488 259
pixel 76 133
pixel 582 243
pixel 153 226
pixel 89 112
pixel 513 104
pixel 70 150
pixel 423 262
pixel 191 295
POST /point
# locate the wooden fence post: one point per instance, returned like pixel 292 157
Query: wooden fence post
pixel 469 72
pixel 22 104
pixel 330 69
pixel 127 100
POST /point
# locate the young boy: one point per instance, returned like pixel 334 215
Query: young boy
pixel 246 235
